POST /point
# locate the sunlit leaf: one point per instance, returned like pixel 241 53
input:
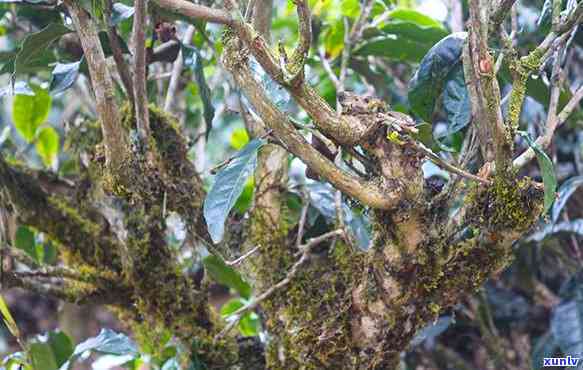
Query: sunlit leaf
pixel 239 138
pixel 8 319
pixel 47 145
pixel 29 112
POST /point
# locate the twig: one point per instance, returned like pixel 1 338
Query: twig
pixel 302 222
pixel 140 66
pixel 445 165
pixel 191 10
pixel 228 160
pixel 544 140
pixel 243 257
pixel 176 71
pixel 236 316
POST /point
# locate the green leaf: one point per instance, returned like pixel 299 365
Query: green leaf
pixel 228 186
pixel 547 172
pixel 456 101
pixel 61 346
pixel 120 13
pixel 249 324
pixel 239 138
pixel 565 191
pixel 393 47
pixel 8 319
pixel 107 342
pixel 24 240
pixel 350 8
pixel 34 46
pixel 429 79
pixel 404 14
pixel 193 59
pixel 334 38
pixel 245 199
pixel 64 76
pixel 42 356
pixel 29 112
pixel 226 275
pixel 47 145
pixel 231 306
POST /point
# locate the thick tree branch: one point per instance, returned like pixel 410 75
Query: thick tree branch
pixel 193 11
pixel 487 92
pixel 374 194
pixel 107 108
pixel 342 129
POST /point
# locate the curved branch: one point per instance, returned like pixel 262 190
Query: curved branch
pixel 373 194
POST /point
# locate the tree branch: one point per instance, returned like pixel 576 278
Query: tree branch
pixel 374 194
pixel 193 11
pixel 107 108
pixel 140 70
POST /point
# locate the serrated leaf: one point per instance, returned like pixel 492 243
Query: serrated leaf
pixel 107 342
pixel 565 191
pixel 8 319
pixel 547 172
pixel 228 186
pixel 456 101
pixel 47 145
pixel 34 45
pixel 226 275
pixel 121 12
pixel 427 83
pixel 194 61
pixel 64 76
pixel 29 112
